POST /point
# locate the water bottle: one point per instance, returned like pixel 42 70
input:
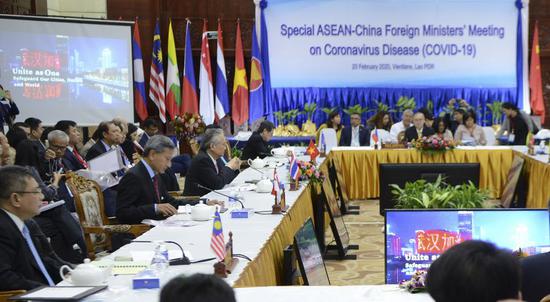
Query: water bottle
pixel 232 202
pixel 160 258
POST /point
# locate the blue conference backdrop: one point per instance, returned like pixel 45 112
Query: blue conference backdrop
pixel 342 53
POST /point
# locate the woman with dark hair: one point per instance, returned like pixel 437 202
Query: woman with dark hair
pixel 257 145
pixel 441 127
pixel 518 128
pixel 334 121
pixel 381 120
pixel 130 146
pixel 458 119
pixel 470 133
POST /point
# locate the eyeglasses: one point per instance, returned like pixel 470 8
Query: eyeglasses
pixel 56 147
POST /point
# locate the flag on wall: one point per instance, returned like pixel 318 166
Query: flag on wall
pixel 222 97
pixel 257 107
pixel 217 242
pixel 240 87
pixel 173 88
pixel 140 100
pixel 156 80
pixel 189 97
pixel 535 78
pixel 205 80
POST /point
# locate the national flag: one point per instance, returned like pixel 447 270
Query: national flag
pixel 173 88
pixel 257 108
pixel 222 97
pixel 140 100
pixel 312 150
pixel 217 242
pixel 294 168
pixel 239 111
pixel 205 80
pixel 276 183
pixel 375 136
pixel 264 50
pixel 189 98
pixel 156 80
pixel 535 78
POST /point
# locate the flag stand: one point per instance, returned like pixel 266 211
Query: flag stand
pixel 225 267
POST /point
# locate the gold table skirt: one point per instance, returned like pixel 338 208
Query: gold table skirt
pixel 361 174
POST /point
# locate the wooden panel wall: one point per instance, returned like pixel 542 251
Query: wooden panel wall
pixel 196 11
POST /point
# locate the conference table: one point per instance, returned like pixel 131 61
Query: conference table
pixel 263 236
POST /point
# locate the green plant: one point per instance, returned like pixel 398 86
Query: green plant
pixel 496 112
pixel 430 106
pixel 380 106
pixel 280 116
pixel 329 110
pixel 405 103
pixel 422 194
pixel 357 109
pixel 291 116
pixel 310 109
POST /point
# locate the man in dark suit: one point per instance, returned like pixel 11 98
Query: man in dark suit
pixel 535 276
pixel 257 143
pixel 141 192
pixel 207 169
pixel 24 262
pixel 109 136
pixel 356 135
pixel 151 128
pixel 419 129
pixel 72 160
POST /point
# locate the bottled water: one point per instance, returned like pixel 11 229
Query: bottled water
pixel 160 258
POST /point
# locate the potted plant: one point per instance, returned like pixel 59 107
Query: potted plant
pixel 280 130
pixel 309 128
pixel 404 103
pixel 357 109
pixel 291 128
pixel 187 127
pixel 422 194
pixel 496 114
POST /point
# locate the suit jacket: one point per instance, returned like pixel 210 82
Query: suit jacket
pixel 255 147
pixel 70 162
pixel 203 171
pixel 136 197
pixel 18 269
pixel 411 133
pixel 535 276
pixel 364 136
pixel 96 150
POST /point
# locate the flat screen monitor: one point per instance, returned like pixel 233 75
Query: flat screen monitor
pixel 310 259
pixel 415 238
pixel 399 174
pixel 337 224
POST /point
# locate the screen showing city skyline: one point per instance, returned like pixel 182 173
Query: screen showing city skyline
pixel 415 238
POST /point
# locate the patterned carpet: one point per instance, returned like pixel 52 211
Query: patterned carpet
pixel 366 231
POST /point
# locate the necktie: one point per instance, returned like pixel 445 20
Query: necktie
pixel 36 256
pixel 80 159
pixel 156 186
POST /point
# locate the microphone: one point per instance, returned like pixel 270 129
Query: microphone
pixel 222 194
pixel 178 261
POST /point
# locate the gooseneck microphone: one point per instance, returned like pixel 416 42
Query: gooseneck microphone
pixel 222 194
pixel 178 261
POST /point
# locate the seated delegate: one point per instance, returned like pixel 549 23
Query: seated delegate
pixel 141 192
pixel 206 167
pixel 257 143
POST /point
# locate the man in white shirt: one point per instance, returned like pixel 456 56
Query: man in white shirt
pixel 402 125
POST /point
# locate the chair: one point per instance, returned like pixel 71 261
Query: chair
pixel 331 140
pixel 490 136
pixel 90 209
pixel 5 295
